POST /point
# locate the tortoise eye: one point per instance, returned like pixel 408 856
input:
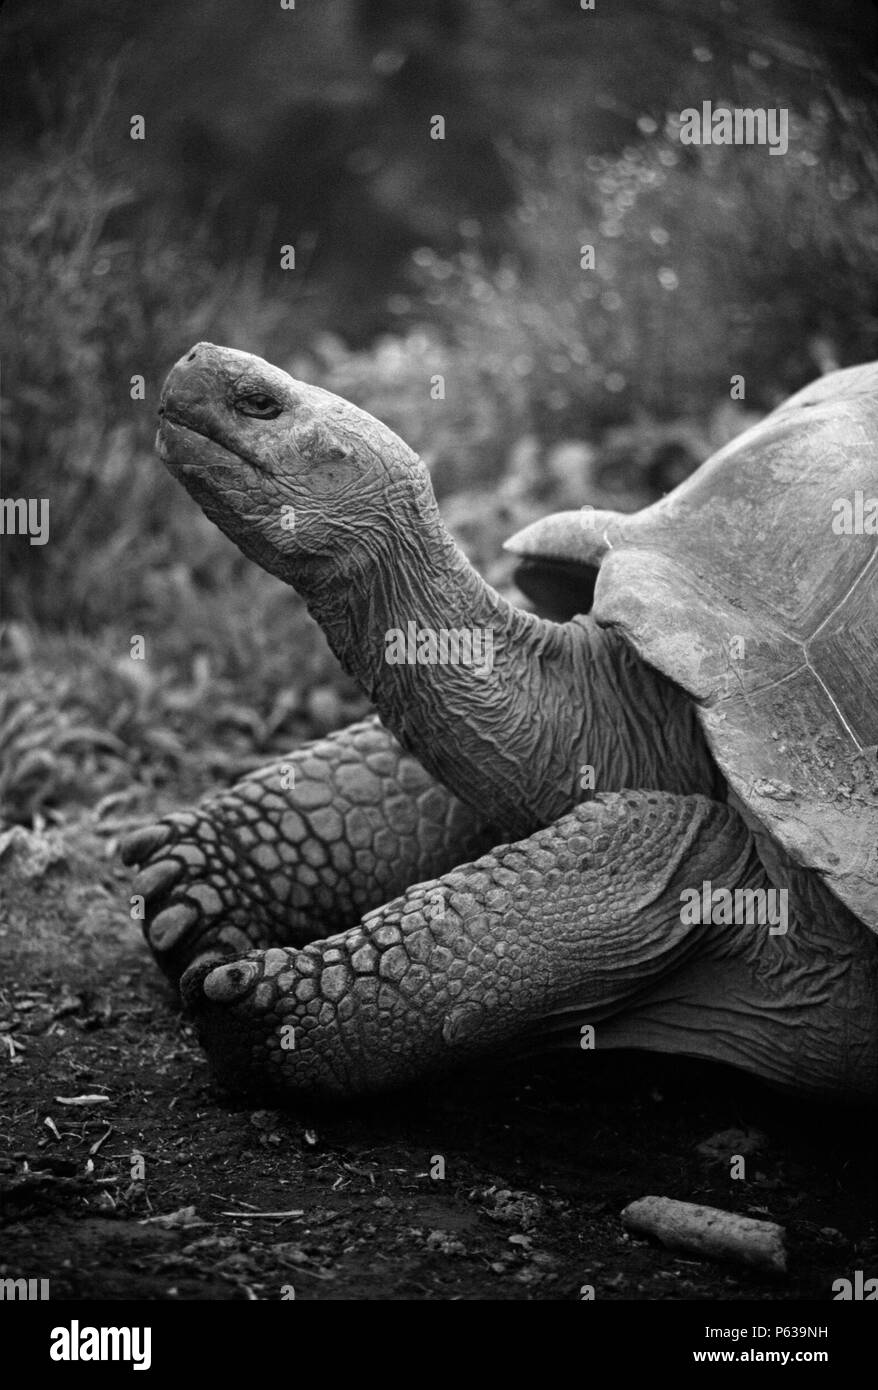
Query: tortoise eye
pixel 259 405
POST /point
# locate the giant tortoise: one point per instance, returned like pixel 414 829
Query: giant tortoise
pixel 652 825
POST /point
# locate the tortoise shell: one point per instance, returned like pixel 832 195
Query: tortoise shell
pixel 754 586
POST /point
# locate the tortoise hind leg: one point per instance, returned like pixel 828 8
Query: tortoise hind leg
pixel 573 923
pixel 302 847
pixel 795 1003
pixel 580 924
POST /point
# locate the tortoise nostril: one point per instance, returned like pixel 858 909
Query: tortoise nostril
pixel 191 356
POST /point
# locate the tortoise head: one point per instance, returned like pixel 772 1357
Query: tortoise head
pixel 290 472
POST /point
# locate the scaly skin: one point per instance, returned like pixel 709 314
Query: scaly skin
pixel 577 923
pixel 298 850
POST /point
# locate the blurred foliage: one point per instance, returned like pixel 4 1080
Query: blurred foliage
pixel 709 261
pixel 460 260
pixel 84 724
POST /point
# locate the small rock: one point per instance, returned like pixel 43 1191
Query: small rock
pixel 512 1206
pixel 444 1244
pixel 264 1119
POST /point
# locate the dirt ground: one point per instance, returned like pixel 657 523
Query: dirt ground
pixel 152 1185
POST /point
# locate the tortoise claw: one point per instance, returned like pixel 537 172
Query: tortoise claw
pixel 226 983
pixel 193 978
pixel 140 844
pixel 156 878
pixel 170 926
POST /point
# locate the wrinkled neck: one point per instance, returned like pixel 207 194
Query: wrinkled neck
pixel 510 730
pixel 441 654
pixel 413 582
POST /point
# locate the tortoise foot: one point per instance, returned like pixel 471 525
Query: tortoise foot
pixel 298 850
pixel 203 894
pixel 253 1015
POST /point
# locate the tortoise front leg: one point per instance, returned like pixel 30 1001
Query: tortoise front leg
pixel 300 848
